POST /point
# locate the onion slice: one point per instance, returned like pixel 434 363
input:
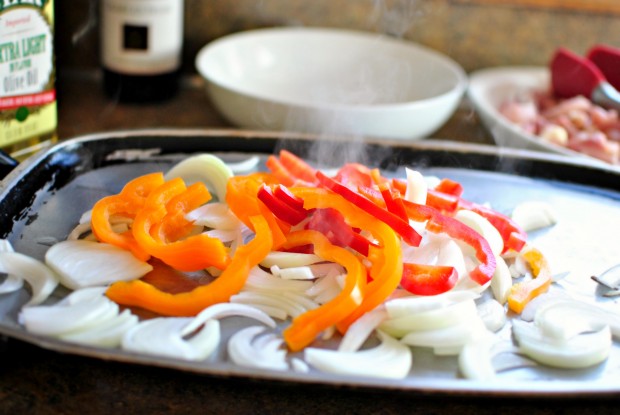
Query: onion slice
pixel 206 168
pixel 581 351
pixel 221 310
pixel 41 279
pixel 163 336
pixel 246 348
pixel 82 264
pixel 391 359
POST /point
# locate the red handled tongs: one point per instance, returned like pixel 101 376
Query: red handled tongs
pixel 607 60
pixel 573 75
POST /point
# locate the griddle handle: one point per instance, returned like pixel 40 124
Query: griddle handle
pixel 7 164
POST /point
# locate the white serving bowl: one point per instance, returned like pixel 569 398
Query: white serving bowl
pixel 327 81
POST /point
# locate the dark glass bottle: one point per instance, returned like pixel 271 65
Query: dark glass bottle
pixel 141 44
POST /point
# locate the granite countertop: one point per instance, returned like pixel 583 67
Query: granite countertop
pixel 38 381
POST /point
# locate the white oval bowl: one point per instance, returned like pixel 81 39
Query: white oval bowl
pixel 327 81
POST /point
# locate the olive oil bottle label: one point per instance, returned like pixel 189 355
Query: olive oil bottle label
pixel 27 72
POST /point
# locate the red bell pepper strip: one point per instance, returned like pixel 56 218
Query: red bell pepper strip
pixel 513 235
pixel 307 326
pixel 280 209
pixel 137 293
pixel 242 199
pixel 127 203
pixel 193 253
pixel 400 226
pixel 422 279
pixel 353 175
pixel 437 222
pixel 385 256
pixel 450 187
pixel 285 195
pixel 393 203
pixel 331 223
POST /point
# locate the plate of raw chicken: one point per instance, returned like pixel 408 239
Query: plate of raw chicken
pixel 517 107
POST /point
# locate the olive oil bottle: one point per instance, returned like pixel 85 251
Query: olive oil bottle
pixel 28 114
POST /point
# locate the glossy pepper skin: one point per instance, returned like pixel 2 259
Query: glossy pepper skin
pixel 127 203
pixel 306 327
pixel 140 294
pixel 159 226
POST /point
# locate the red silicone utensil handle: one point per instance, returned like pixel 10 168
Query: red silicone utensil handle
pixel 573 75
pixel 607 60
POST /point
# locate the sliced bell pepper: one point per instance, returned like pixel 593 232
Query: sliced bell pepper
pixel 353 175
pixel 306 327
pixel 393 203
pixel 242 199
pixel 385 257
pixel 400 226
pixel 279 208
pixel 423 279
pixel 126 203
pixel 297 167
pixel 449 186
pixel 437 222
pixel 140 294
pixel 523 292
pixel 168 202
pixel 332 224
pixel 513 235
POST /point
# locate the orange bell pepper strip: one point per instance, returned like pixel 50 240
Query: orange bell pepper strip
pixel 385 256
pixel 523 292
pixel 301 170
pixel 141 294
pixel 306 327
pixel 126 203
pixel 242 199
pixel 164 205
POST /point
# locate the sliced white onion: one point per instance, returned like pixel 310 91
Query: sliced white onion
pixel 222 310
pixel 215 215
pixel 567 318
pixel 67 317
pixel 78 231
pixel 475 359
pixel 247 349
pixel 390 359
pixel 289 259
pixel 424 323
pixel 416 187
pixel 411 304
pixel 226 236
pixel 82 264
pixel 483 227
pixel 163 336
pixel 501 281
pixel 448 340
pixel 532 215
pixel 299 366
pixel 451 255
pixel 492 314
pixel 293 304
pixel 360 330
pixel 41 279
pixel 11 283
pixel 244 166
pixel 264 281
pixel 206 168
pixel 293 273
pixel 325 289
pixel 581 351
pixel 108 333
